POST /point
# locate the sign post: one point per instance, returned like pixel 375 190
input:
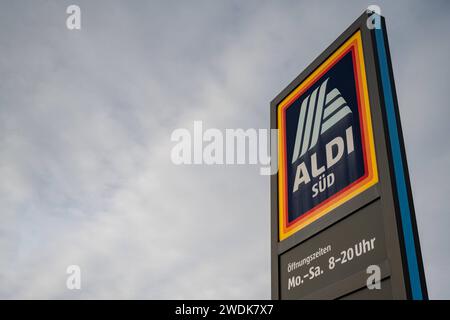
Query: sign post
pixel 342 214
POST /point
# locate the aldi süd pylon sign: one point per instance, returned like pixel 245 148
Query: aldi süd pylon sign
pixel 342 210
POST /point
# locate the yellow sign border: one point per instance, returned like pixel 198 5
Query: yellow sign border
pixel 372 174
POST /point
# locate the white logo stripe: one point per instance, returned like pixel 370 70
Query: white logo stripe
pixel 319 112
pixel 335 118
pixel 331 95
pixel 301 125
pixel 336 104
pixel 309 119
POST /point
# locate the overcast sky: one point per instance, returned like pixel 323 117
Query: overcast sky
pixel 85 124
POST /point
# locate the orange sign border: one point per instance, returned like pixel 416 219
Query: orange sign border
pixel 371 173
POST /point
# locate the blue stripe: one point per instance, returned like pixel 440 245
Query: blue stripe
pixel 405 210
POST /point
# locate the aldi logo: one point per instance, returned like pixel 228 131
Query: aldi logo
pixel 326 149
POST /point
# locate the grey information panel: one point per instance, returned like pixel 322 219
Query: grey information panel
pixel 337 253
pixel 342 215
